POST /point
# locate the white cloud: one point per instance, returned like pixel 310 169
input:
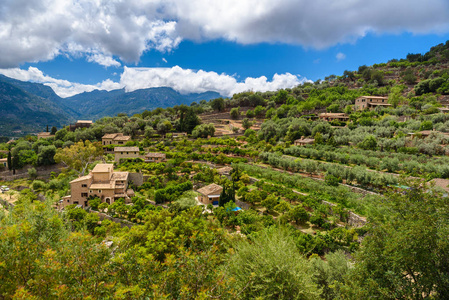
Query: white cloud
pixel 189 81
pixel 182 80
pixel 63 88
pixel 103 60
pixel 340 56
pixel 39 30
pixel 164 60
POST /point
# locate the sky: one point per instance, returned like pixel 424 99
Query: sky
pixel 196 46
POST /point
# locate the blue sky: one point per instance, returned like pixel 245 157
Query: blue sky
pixel 200 45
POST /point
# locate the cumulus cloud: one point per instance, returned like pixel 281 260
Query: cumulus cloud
pixel 39 30
pixel 190 81
pixel 182 80
pixel 340 56
pixel 63 88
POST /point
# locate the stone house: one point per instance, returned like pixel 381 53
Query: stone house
pixel 154 157
pixel 80 124
pixel 126 152
pixel 45 135
pixel 226 171
pixel 210 194
pixel 334 116
pixel 4 162
pixel 304 141
pixel 114 139
pixel 102 182
pixel 370 102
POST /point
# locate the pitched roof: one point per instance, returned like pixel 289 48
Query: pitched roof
pixel 120 175
pixel 126 149
pixel 82 178
pixel 373 97
pixel 102 168
pixel 84 122
pixel 211 189
pixel 224 170
pixel 122 138
pixel 306 140
pixel 341 115
pixel 155 154
pixel 44 133
pixel 109 136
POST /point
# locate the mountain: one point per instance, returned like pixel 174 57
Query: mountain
pixel 97 104
pixel 28 108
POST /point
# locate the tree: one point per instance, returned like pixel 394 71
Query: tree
pixel 246 123
pixel 404 256
pixel 79 156
pixel 32 173
pixel 226 195
pixel 164 126
pixel 9 160
pixel 189 121
pixel 217 104
pixel 53 130
pixel 299 214
pixel 95 203
pixel 369 143
pixel 46 155
pixel 270 202
pixel 235 113
pixel 203 130
pixel 270 267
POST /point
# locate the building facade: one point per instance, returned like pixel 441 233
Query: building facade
pixel 126 152
pixel 102 182
pixel 154 157
pixel 370 102
pixel 210 194
pixel 80 124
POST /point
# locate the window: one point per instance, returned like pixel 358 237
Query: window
pixel 83 194
pixel 84 185
pixel 99 191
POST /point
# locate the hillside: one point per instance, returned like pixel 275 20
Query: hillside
pixel 97 104
pixel 24 112
pixel 28 107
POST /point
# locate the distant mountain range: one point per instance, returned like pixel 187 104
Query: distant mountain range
pixel 27 107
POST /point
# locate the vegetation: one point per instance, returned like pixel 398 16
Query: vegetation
pixel 360 213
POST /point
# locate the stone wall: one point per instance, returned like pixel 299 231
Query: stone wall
pixel 122 222
pixel 354 220
pixel 136 178
pixel 43 172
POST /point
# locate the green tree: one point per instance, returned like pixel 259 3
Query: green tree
pixel 270 267
pixel 95 203
pixel 235 113
pixel 79 156
pixel 270 202
pixel 404 255
pixel 53 130
pixel 217 104
pixel 299 214
pixel 46 155
pixel 246 123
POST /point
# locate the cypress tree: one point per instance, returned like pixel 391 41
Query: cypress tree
pixel 9 160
